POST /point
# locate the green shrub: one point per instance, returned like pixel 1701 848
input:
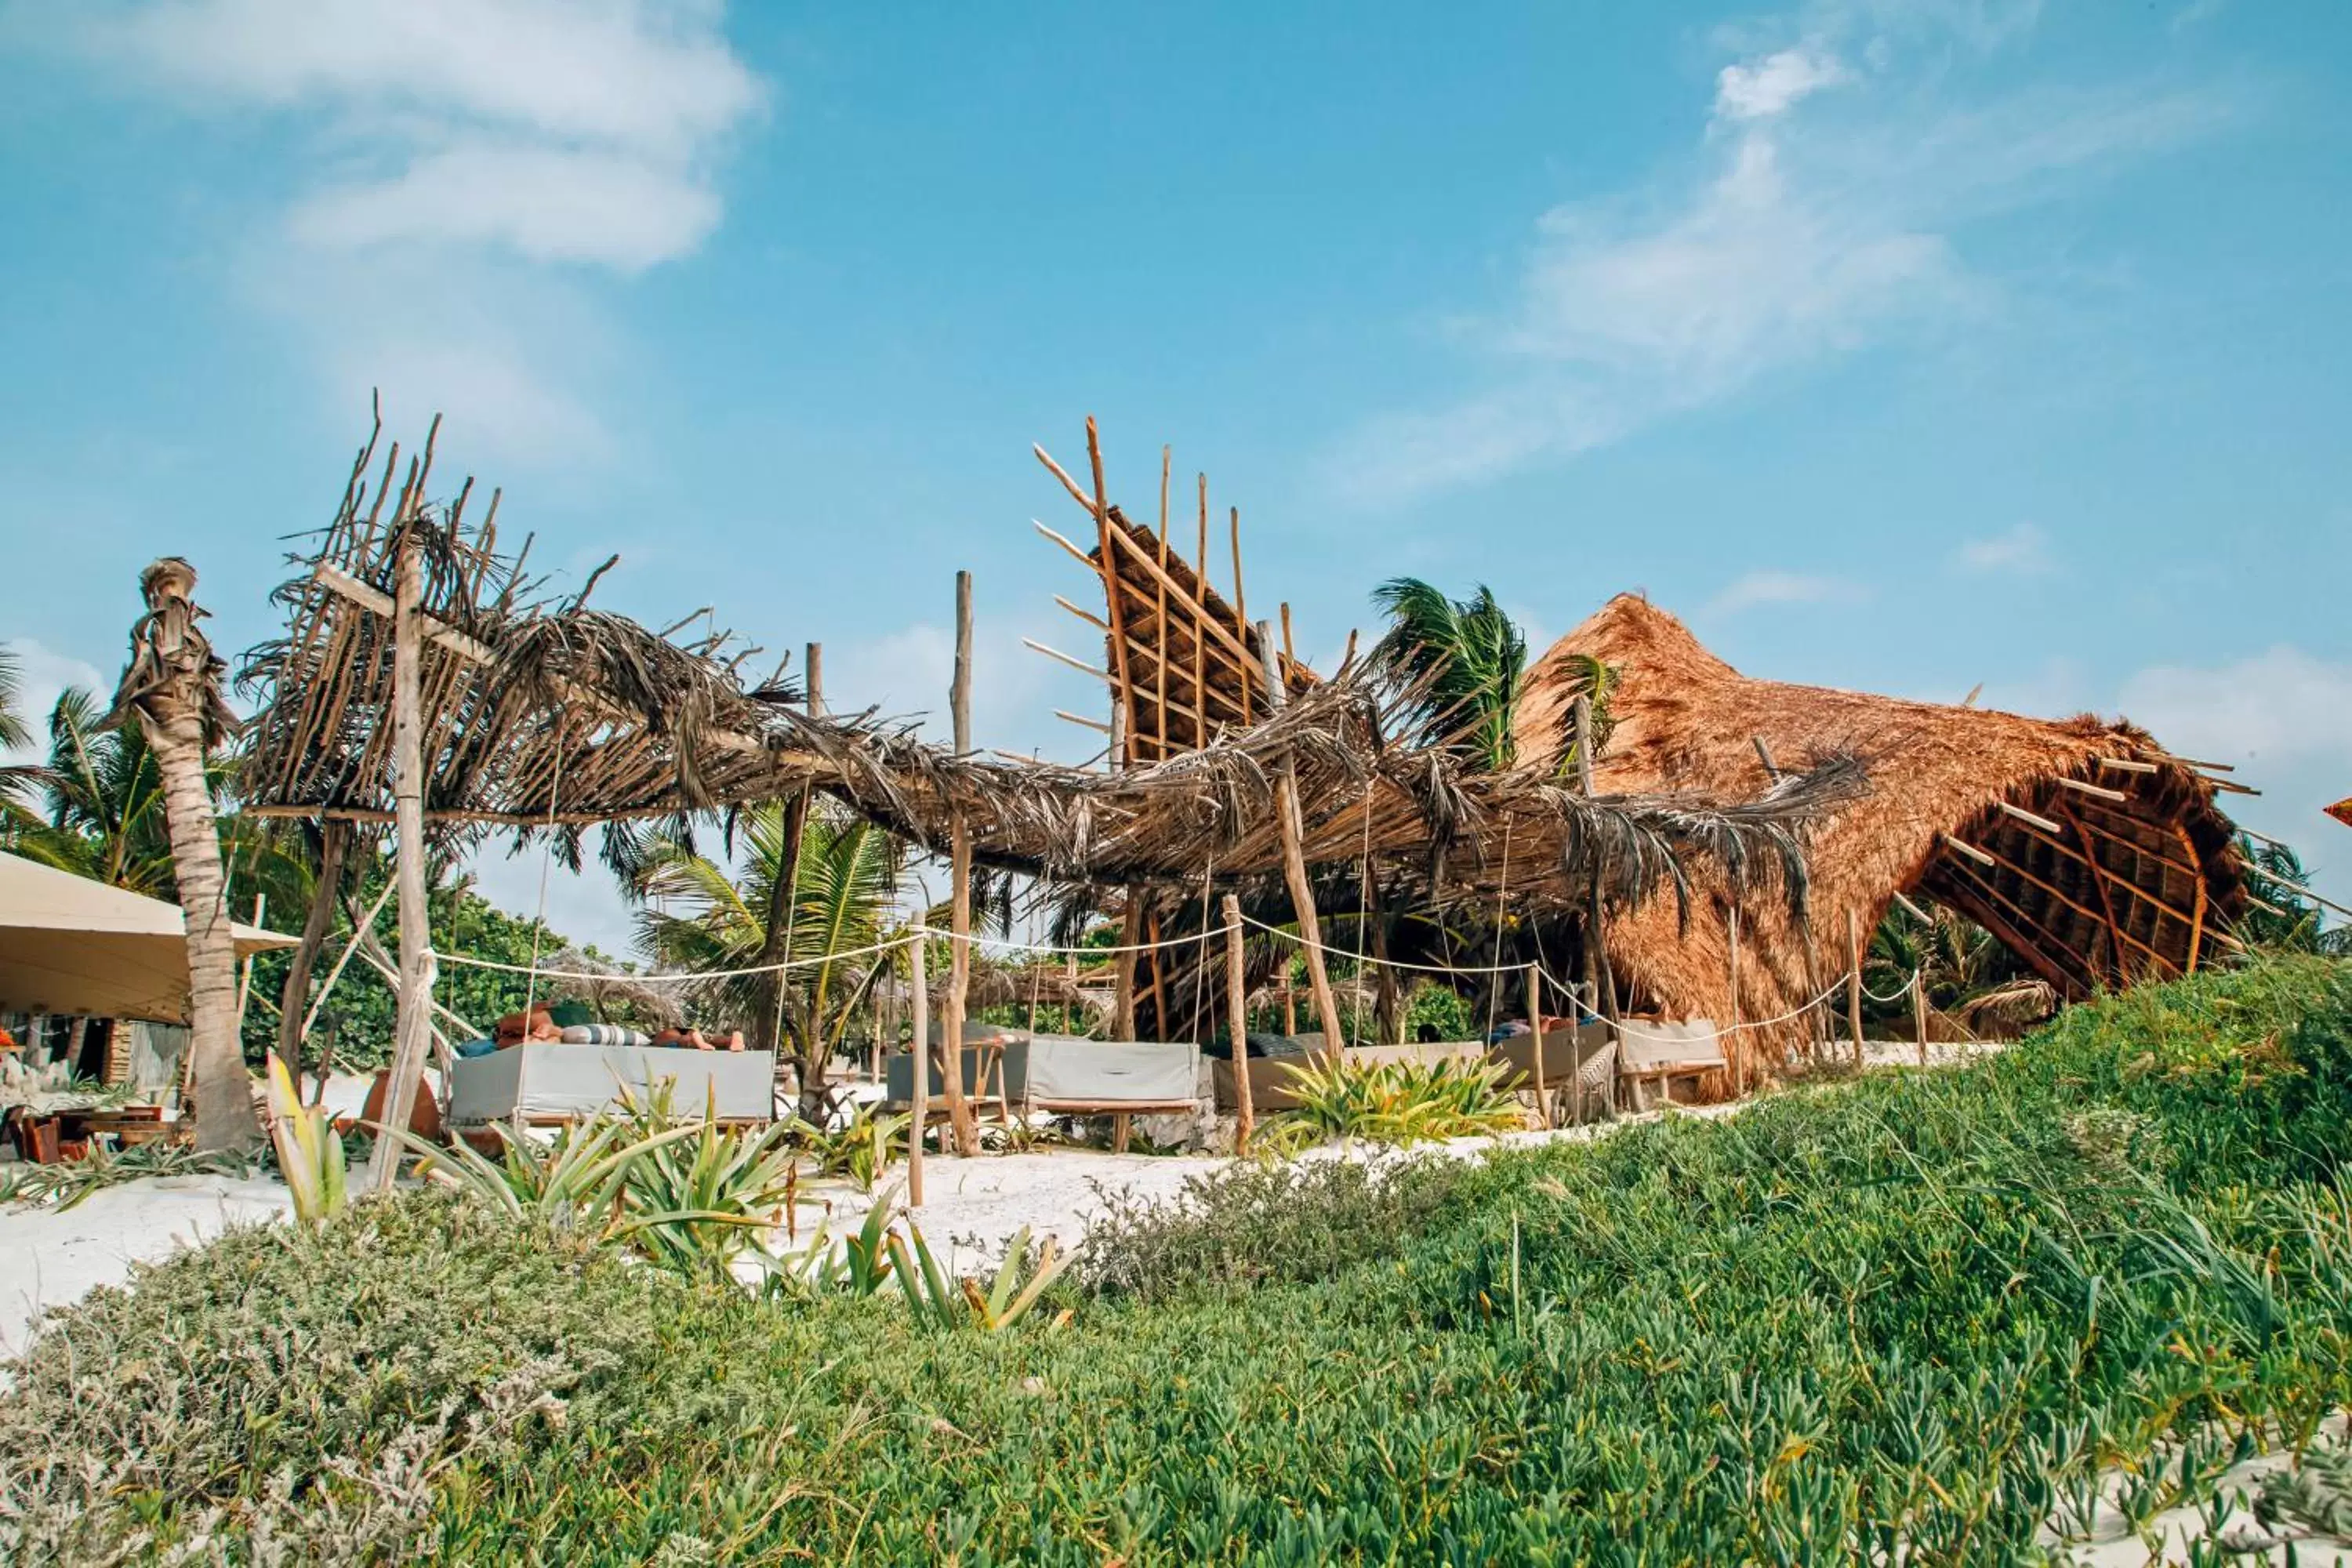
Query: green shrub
pixel 1402 1102
pixel 1910 1319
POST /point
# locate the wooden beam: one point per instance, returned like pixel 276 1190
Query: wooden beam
pixel 1104 676
pixel 2094 791
pixel 2032 819
pixel 1095 724
pixel 2197 919
pixel 1122 694
pixel 1982 896
pixel 2085 912
pixel 1854 980
pixel 2127 765
pixel 960 1118
pixel 1294 864
pixel 1971 850
pixel 1237 1010
pixel 2099 885
pixel 414 1016
pixel 1086 616
pixel 1200 642
pixel 1535 1023
pixel 921 1002
pixel 1167 456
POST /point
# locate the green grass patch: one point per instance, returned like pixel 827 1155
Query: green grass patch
pixel 1908 1319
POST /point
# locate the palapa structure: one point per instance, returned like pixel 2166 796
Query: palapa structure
pixel 2096 855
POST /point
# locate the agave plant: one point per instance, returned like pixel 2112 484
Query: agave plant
pixel 861 1149
pixel 1402 1102
pixel 309 1151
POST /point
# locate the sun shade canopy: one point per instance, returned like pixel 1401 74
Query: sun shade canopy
pixel 71 945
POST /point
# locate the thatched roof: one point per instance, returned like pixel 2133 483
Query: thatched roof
pixel 540 714
pixel 2129 871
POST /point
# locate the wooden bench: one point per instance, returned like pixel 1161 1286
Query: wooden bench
pixel 1667 1053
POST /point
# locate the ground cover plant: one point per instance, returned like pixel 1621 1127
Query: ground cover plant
pixel 1912 1318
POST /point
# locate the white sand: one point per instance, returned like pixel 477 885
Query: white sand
pixel 51 1259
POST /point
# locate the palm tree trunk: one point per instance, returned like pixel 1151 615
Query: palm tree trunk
pixel 173 686
pixel 223 1090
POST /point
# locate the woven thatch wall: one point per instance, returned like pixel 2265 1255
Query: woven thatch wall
pixel 2165 875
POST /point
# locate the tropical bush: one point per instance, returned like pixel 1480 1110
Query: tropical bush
pixel 1912 1318
pixel 1402 1102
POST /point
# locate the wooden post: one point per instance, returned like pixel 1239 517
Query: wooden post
pixel 414 1015
pixel 1294 859
pixel 245 979
pixel 1920 1011
pixel 1584 742
pixel 1122 968
pixel 334 841
pixel 919 1003
pixel 1738 1062
pixel 1237 1005
pixel 1289 1004
pixel 1854 982
pixel 959 1117
pixel 1535 1022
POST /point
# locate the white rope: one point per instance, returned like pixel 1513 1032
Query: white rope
pixel 1392 963
pixel 1900 992
pixel 915 932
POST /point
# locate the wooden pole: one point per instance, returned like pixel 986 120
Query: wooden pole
pixel 1854 980
pixel 1294 860
pixel 334 841
pixel 1237 1005
pixel 245 979
pixel 1122 968
pixel 959 1117
pixel 1535 1022
pixel 1920 1011
pixel 1738 1060
pixel 920 1002
pixel 414 1014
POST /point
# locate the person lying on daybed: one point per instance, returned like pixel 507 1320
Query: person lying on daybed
pixel 691 1038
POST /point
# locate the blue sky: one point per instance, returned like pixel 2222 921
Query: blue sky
pixel 1902 346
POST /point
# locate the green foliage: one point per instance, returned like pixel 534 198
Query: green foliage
pixel 1913 1318
pixel 1402 1102
pixel 1443 1009
pixel 68 1182
pixel 861 1149
pixel 708 916
pixel 358 1013
pixel 2293 923
pixel 1470 661
pixel 310 1154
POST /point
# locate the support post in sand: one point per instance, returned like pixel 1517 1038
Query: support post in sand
pixel 1854 981
pixel 959 1117
pixel 1294 857
pixel 1237 1004
pixel 415 1012
pixel 334 841
pixel 1535 1023
pixel 1920 1011
pixel 1738 1062
pixel 919 1001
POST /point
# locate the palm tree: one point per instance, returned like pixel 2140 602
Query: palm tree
pixel 1468 659
pixel 20 784
pixel 2286 920
pixel 171 689
pixel 710 917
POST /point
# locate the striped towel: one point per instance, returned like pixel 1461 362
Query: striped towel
pixel 605 1034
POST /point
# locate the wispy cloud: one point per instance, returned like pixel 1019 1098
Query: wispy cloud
pixel 1759 589
pixel 1819 215
pixel 499 152
pixel 2020 552
pixel 46 674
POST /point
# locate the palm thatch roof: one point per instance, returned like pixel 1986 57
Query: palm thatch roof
pixel 540 715
pixel 2094 854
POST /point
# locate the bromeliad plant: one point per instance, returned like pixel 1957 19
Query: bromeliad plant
pixel 1402 1102
pixel 309 1151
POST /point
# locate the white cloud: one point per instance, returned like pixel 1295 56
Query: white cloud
pixel 546 204
pixel 462 160
pixel 2282 705
pixel 1771 85
pixel 1810 225
pixel 1770 587
pixel 2282 718
pixel 2020 552
pixel 45 674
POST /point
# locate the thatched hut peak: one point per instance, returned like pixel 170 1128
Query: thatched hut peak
pixel 2096 855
